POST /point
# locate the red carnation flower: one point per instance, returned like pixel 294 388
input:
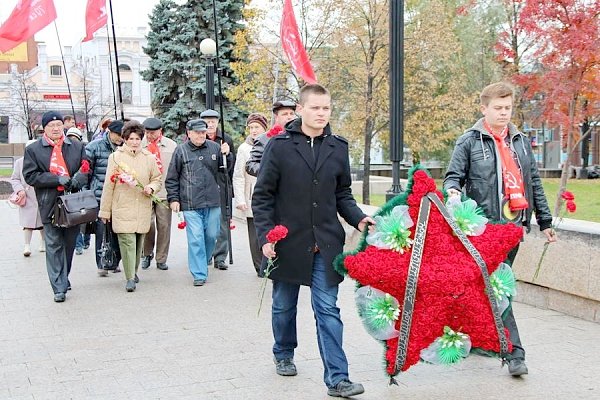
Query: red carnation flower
pixel 571 206
pixel 231 226
pixel 113 178
pixel 276 234
pixel 566 195
pixel 85 167
pixel 274 131
pixel 181 225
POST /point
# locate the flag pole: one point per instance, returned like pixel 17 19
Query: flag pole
pixel 66 74
pixel 228 213
pixel 112 21
pixel 112 74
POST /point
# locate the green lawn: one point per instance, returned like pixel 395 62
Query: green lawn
pixel 5 171
pixel 587 197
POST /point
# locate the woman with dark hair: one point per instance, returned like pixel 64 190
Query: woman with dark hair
pixel 132 178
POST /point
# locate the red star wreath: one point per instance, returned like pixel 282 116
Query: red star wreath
pixel 451 310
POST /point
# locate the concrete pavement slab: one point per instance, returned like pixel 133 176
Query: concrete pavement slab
pixel 171 340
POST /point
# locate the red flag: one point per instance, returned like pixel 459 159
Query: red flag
pixel 27 18
pixel 95 17
pixel 292 44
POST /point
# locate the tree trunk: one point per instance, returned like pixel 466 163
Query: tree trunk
pixel 564 176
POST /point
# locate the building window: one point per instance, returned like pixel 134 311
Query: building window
pixel 124 67
pixel 126 89
pixel 55 70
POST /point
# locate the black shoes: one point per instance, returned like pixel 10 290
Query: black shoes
pixel 146 261
pixel 221 265
pixel 346 389
pixel 162 266
pixel 285 367
pixel 59 297
pixel 136 279
pixel 517 367
pixel 130 285
pixel 199 282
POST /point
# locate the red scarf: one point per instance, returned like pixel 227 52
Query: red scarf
pixel 154 149
pixel 511 175
pixel 58 166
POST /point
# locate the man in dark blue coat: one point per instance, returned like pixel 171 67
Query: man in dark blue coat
pixel 50 165
pixel 303 184
pixel 98 152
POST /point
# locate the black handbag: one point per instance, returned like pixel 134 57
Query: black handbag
pixel 75 209
pixel 109 257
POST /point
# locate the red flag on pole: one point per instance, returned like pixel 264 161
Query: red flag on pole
pixel 95 17
pixel 27 18
pixel 292 44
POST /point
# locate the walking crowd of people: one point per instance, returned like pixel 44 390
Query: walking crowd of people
pixel 295 173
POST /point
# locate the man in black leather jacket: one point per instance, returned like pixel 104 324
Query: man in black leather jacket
pixel 476 167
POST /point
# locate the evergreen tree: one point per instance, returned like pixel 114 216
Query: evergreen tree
pixel 177 69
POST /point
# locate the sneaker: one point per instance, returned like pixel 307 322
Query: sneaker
pixel 199 282
pixel 346 389
pixel 86 246
pixel 59 297
pixel 286 367
pixel 116 270
pixel 79 251
pixel 130 285
pixel 27 250
pixel 517 367
pixel 221 265
pixel 42 248
pixel 162 266
pixel 102 272
pixel 146 261
pixel 136 279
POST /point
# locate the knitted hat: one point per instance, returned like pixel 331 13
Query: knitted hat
pixel 75 132
pixel 50 116
pixel 257 118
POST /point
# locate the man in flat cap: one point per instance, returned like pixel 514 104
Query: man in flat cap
pixel 211 117
pixel 192 187
pixel 284 111
pixel 98 152
pixel 51 166
pixel 160 227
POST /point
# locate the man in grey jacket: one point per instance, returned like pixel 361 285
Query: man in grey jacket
pixel 192 188
pixel 494 163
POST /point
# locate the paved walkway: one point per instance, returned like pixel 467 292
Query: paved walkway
pixel 170 340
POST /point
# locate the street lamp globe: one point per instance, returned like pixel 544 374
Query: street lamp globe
pixel 208 47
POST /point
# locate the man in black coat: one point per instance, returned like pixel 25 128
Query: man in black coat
pixel 211 117
pixel 303 184
pixel 50 165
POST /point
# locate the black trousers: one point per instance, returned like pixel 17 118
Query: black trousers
pixel 60 244
pixel 509 320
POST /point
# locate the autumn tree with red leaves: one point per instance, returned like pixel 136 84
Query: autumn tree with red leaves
pixel 566 74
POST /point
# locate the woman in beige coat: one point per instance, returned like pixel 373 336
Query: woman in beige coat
pixel 132 177
pixel 243 183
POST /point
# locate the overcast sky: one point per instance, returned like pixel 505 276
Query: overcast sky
pixel 71 19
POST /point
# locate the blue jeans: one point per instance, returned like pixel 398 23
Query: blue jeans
pixel 202 228
pixel 327 316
